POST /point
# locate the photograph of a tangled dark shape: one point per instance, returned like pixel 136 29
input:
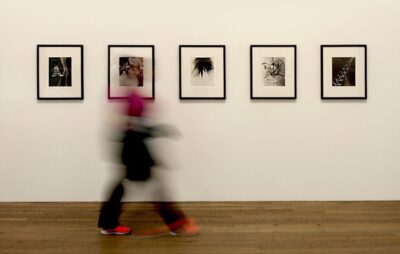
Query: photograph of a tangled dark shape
pixel 202 65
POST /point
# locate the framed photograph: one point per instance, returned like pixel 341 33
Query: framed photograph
pixel 202 72
pixel 273 72
pixel 60 72
pixel 130 66
pixel 344 71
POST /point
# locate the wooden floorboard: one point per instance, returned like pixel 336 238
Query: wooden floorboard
pixel 227 227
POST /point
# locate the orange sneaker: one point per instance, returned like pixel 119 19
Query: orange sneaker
pixel 184 227
pixel 118 230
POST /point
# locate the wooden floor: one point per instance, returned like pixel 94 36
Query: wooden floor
pixel 227 227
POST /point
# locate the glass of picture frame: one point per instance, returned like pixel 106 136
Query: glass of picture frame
pixel 273 72
pixel 60 72
pixel 202 72
pixel 131 66
pixel 344 71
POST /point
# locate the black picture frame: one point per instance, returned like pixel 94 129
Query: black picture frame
pixel 284 85
pixel 344 71
pixel 205 55
pixel 147 54
pixel 60 71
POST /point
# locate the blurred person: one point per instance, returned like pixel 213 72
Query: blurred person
pixel 138 162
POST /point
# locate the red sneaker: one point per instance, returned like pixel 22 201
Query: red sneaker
pixel 184 227
pixel 118 230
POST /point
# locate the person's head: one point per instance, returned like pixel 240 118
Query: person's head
pixel 136 104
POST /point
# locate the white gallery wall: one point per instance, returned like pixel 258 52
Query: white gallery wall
pixel 236 149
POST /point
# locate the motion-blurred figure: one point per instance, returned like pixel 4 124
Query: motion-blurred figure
pixel 138 162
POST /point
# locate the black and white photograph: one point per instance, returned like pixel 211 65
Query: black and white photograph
pixel 273 71
pixel 343 71
pixel 130 66
pixel 60 72
pixel 202 72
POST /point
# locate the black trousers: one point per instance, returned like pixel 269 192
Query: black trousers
pixel 111 210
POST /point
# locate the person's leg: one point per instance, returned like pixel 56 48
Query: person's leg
pixel 111 209
pixel 175 219
pixel 169 212
pixel 177 222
